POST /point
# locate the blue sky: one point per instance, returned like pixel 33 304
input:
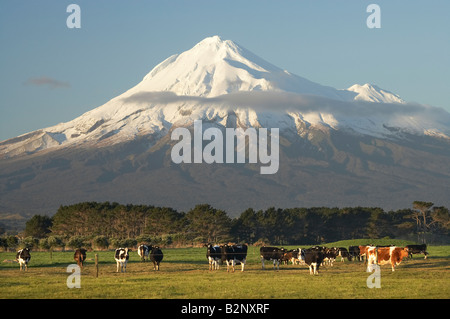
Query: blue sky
pixel 51 74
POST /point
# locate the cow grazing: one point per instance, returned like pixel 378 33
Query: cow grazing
pixel 272 253
pixel 156 256
pixel 23 257
pixel 286 257
pixel 313 258
pixel 296 256
pixel 143 251
pixel 214 256
pixel 292 256
pixel 362 251
pixel 234 255
pixel 385 255
pixel 121 256
pixel 417 249
pixel 329 255
pixel 354 252
pixel 343 253
pixel 80 256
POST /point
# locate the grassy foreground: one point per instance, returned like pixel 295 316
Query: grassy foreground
pixel 184 274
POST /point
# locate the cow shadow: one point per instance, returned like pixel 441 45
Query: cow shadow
pixel 430 262
pixel 193 262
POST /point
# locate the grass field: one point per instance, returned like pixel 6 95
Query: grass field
pixel 184 274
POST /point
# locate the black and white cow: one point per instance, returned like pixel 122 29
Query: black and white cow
pixel 343 253
pixel 156 256
pixel 23 257
pixel 272 253
pixel 143 251
pixel 121 256
pixel 296 256
pixel 313 258
pixel 329 255
pixel 214 256
pixel 354 252
pixel 234 255
pixel 417 249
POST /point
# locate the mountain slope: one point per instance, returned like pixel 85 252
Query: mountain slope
pixel 332 169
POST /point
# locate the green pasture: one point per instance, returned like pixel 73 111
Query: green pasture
pixel 184 274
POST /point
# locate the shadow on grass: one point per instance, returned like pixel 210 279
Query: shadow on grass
pixel 427 263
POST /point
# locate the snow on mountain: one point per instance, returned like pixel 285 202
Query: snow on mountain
pixel 373 93
pixel 222 82
pixel 215 67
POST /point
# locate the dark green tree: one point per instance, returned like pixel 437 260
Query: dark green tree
pixel 38 226
pixel 247 227
pixel 210 224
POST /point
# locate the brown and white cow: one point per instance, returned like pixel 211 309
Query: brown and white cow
pixel 362 251
pixel 293 256
pixel 385 255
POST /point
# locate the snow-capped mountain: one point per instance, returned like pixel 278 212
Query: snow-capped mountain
pixel 338 147
pixel 217 78
pixel 214 67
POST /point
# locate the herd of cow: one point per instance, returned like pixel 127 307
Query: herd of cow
pixel 121 256
pixel 234 255
pixel 313 257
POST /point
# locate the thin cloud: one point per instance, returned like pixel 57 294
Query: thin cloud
pixel 48 82
pixel 286 101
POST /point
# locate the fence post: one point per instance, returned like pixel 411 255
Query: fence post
pixel 96 265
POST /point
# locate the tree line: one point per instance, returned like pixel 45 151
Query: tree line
pixel 109 225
